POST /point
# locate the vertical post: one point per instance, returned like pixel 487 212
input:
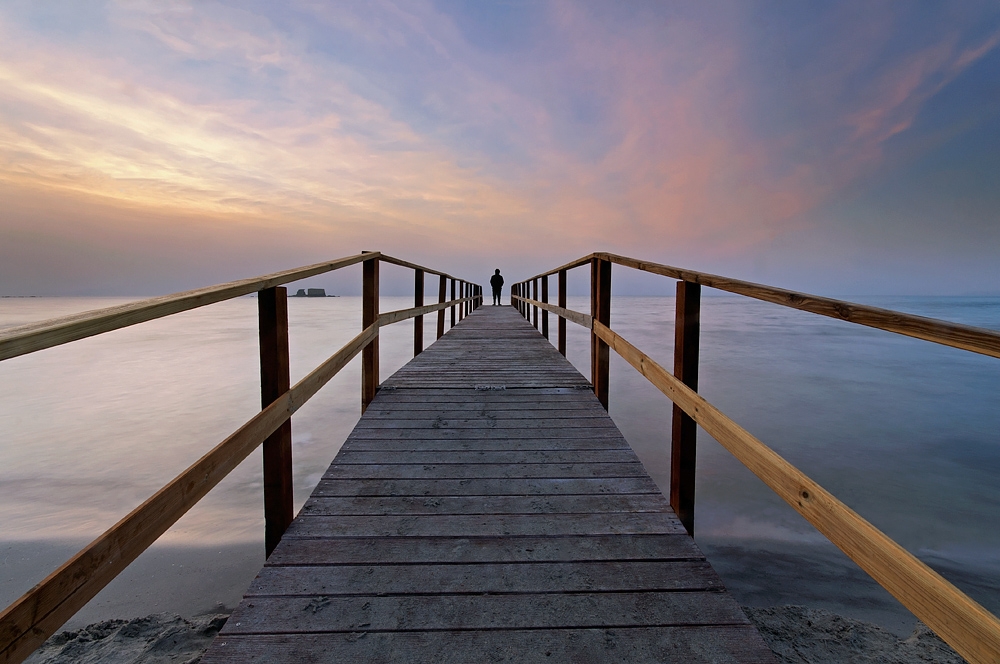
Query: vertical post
pixel 418 321
pixel 468 303
pixel 442 293
pixel 461 306
pixel 453 306
pixel 545 299
pixel 272 313
pixel 683 444
pixel 534 296
pixel 369 316
pixel 600 309
pixel 562 303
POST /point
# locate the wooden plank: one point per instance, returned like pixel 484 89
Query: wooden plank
pixel 723 644
pixel 483 486
pixel 383 505
pixel 483 434
pixel 291 615
pixel 456 550
pixel 454 510
pixel 537 423
pixel 462 525
pixel 352 457
pixel 390 445
pixel 578 577
pixel 962 622
pixel 461 471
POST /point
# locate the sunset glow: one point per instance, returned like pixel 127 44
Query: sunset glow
pixel 824 147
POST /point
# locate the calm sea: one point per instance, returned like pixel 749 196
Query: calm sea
pixel 905 432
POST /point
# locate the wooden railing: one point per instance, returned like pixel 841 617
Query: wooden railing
pixel 969 628
pixel 37 614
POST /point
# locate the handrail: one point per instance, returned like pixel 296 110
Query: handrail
pixel 56 331
pixel 385 258
pixel 928 595
pixel 390 317
pixel 958 619
pixel 36 615
pixel 583 320
pixel 965 337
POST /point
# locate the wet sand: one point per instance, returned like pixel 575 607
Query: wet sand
pixel 188 580
pixel 797 635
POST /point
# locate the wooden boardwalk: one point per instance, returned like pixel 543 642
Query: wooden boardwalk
pixel 487 509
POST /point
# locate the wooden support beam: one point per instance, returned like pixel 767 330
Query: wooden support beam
pixel 272 313
pixel 683 445
pixel 600 311
pixel 369 316
pixel 562 303
pixel 418 321
pixel 453 306
pixel 545 313
pixel 534 296
pixel 442 293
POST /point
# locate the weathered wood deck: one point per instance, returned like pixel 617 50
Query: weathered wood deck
pixel 487 509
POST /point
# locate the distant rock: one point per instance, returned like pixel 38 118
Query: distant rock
pixel 311 292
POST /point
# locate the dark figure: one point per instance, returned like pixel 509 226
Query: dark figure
pixel 496 281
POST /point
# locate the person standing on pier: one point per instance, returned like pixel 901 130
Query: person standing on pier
pixel 496 281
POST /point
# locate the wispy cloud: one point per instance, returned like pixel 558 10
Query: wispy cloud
pixel 645 129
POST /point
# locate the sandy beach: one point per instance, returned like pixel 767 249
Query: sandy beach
pixel 796 634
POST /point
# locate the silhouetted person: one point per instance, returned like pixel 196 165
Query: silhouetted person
pixel 496 281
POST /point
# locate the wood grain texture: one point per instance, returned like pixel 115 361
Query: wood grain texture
pixel 969 628
pixel 479 496
pixel 724 644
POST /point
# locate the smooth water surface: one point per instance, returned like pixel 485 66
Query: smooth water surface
pixel 905 432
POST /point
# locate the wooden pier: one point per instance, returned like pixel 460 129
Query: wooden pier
pixel 487 510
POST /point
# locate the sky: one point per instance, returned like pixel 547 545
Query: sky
pixel 848 148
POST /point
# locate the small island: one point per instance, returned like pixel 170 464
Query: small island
pixel 312 292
